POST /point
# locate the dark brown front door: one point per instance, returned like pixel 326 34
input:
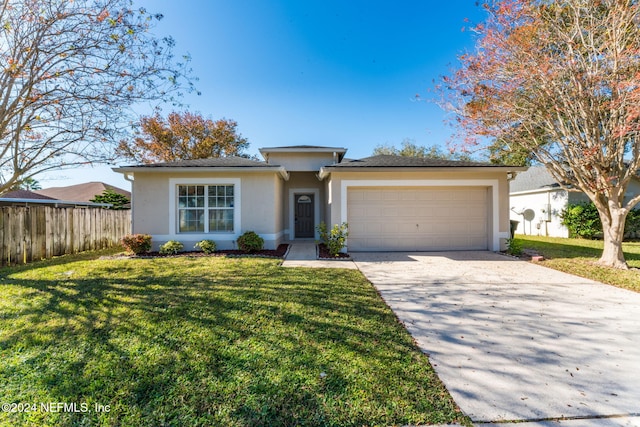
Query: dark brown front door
pixel 304 215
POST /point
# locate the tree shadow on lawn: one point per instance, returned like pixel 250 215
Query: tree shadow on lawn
pixel 568 250
pixel 232 347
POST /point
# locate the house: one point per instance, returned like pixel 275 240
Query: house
pixel 537 201
pixel 84 192
pixel 25 194
pixel 31 198
pixel 391 203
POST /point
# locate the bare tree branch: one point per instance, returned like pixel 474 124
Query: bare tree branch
pixel 70 73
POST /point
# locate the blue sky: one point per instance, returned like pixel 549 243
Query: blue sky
pixel 291 72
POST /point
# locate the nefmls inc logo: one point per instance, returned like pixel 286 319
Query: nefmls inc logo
pixel 64 407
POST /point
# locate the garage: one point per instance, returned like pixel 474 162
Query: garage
pixel 418 218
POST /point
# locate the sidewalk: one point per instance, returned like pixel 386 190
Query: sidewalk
pixel 617 421
pixel 303 254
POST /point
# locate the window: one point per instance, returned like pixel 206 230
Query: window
pixel 220 208
pixel 205 208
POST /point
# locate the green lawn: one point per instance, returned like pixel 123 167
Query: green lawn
pixel 578 256
pixel 206 342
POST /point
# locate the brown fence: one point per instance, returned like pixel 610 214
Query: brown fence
pixel 36 232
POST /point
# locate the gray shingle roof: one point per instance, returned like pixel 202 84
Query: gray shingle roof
pixel 535 178
pixel 391 161
pixel 25 194
pixel 84 192
pixel 211 162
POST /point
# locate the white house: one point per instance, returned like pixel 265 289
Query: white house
pixel 536 200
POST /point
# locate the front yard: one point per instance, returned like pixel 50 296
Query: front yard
pixel 204 342
pixel 578 256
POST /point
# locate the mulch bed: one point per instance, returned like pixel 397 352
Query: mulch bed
pixel 323 253
pixel 265 253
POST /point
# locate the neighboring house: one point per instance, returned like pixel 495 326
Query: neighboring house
pixel 537 192
pixel 81 192
pixel 31 198
pixel 25 194
pixel 391 203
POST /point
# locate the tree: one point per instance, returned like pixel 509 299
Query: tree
pixel 410 149
pixel 559 82
pixel 70 73
pixel 118 201
pixel 26 184
pixel 183 136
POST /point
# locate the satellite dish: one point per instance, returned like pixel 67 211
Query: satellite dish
pixel 529 214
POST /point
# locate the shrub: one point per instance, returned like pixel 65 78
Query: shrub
pixel 335 238
pixel 207 246
pixel 172 247
pixel 632 226
pixel 323 232
pixel 117 201
pixel 514 247
pixel 136 243
pixel 582 220
pixel 250 242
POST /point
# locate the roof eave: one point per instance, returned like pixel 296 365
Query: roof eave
pixel 537 191
pixel 302 150
pixel 237 169
pixel 325 171
pixel 55 202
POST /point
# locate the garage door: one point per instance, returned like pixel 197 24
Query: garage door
pixel 417 218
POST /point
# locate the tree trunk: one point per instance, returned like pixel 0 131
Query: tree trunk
pixel 613 229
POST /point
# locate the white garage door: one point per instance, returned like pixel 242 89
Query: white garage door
pixel 417 218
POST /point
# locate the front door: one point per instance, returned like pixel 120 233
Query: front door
pixel 304 216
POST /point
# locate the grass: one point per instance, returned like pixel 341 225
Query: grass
pixel 579 256
pixel 206 342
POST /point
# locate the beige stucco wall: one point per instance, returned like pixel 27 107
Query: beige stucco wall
pixel 150 203
pixel 278 207
pixel 301 162
pixel 266 200
pixel 154 211
pixel 495 182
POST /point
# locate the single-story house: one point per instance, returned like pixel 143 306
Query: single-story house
pixel 31 198
pixel 391 203
pixel 537 201
pixel 84 192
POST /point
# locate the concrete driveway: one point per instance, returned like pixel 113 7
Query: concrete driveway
pixel 516 341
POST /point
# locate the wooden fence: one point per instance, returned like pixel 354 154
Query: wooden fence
pixel 36 232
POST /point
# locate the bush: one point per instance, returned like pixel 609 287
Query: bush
pixel 250 242
pixel 335 238
pixel 136 243
pixel 632 226
pixel 582 220
pixel 207 246
pixel 514 247
pixel 172 247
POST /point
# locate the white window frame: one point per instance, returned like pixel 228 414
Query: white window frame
pixel 174 232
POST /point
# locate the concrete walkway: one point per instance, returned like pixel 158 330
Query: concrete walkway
pixel 514 341
pixel 303 254
pixel 626 421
